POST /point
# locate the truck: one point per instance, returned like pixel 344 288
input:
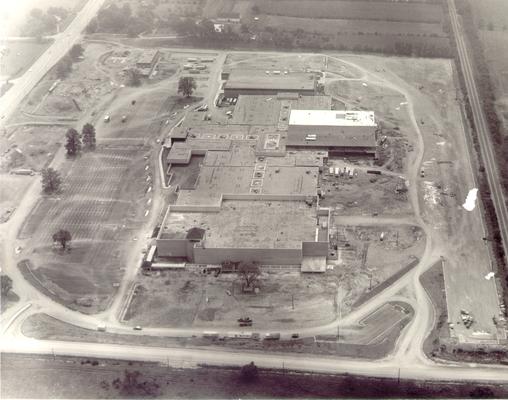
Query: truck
pixel 272 336
pixel 101 327
pixel 192 59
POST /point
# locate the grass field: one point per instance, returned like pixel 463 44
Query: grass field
pixel 102 200
pixel 491 11
pixel 385 11
pixel 349 26
pixel 18 56
pixel 69 377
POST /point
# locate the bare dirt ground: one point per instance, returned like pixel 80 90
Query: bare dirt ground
pixel 190 298
pixel 447 179
pixel 11 191
pixel 349 195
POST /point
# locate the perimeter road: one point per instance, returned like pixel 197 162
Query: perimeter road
pixel 486 148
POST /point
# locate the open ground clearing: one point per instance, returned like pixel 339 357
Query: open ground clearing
pixel 30 146
pixel 190 298
pixel 17 56
pixel 11 192
pixel 364 193
pixel 447 180
pixel 102 202
pixel 385 11
pixel 376 252
pixel 373 337
pixel 15 18
pixel 64 377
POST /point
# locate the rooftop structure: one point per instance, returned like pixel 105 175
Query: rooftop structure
pixel 247 81
pixel 268 109
pixel 332 118
pixel 339 132
pixel 248 224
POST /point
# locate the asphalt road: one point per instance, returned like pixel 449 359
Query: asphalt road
pixel 482 130
pixel 190 357
pixel 62 44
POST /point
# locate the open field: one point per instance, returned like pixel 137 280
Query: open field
pixel 497 61
pixel 280 61
pixel 339 26
pixel 30 146
pixel 362 248
pixel 18 56
pixel 364 193
pixel 101 201
pixel 80 91
pixel 66 377
pixel 190 298
pixel 491 11
pixel 385 11
pixel 373 338
pixel 14 18
pixel 11 192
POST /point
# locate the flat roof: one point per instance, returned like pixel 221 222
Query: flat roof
pixel 257 79
pixel 147 56
pixel 267 109
pixel 215 181
pixel 332 118
pixel 256 110
pixel 180 153
pixel 248 224
pixel 332 136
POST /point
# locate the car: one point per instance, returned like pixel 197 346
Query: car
pixel 124 118
pixel 228 292
pixel 244 319
pixel 17 250
pixel 137 328
pixel 295 336
pixel 107 118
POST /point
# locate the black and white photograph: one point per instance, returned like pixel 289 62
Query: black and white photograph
pixel 253 199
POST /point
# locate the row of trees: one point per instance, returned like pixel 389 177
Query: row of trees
pixel 64 66
pixel 115 19
pixel 75 141
pixel 51 179
pixel 40 23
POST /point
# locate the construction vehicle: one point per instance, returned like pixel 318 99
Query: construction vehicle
pixel 467 318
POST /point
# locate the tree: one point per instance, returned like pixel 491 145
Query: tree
pixel 130 385
pixel 63 237
pixel 250 272
pixel 6 284
pixel 51 180
pixel 88 135
pixel 186 85
pixel 76 51
pixel 73 144
pixel 64 67
pixel 92 27
pixel 249 372
pixel 133 77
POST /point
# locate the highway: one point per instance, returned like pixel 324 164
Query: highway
pixel 62 44
pixel 482 130
pixel 192 357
